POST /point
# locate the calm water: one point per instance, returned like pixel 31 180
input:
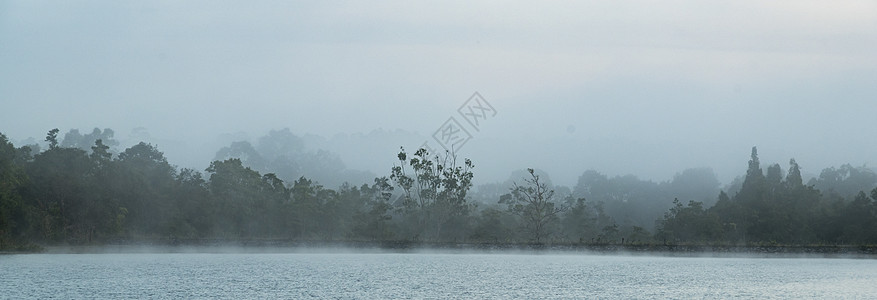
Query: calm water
pixel 406 275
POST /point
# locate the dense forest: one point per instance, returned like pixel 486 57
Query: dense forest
pixel 81 191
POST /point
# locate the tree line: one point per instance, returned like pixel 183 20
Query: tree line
pixel 72 193
pixel 776 208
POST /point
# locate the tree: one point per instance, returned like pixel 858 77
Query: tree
pixel 372 220
pixel 794 179
pixel 100 153
pixel 801 204
pixel 490 227
pixel 753 183
pixel 534 204
pixel 689 224
pixel 193 214
pixel 845 182
pixel 244 152
pixel 282 153
pixel 699 184
pixel 628 199
pixel 746 211
pixel 52 138
pixel 238 192
pixel 145 184
pixel 73 139
pixel 13 223
pixel 309 201
pixel 433 191
pixel 279 144
pixel 580 221
pixel 70 198
pixel 859 221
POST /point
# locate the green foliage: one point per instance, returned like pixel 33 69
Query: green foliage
pixel 691 224
pixel 192 212
pixel 493 226
pixel 12 209
pixel 308 203
pixel 585 221
pixel 52 138
pixel 66 196
pixel 77 194
pixel 239 194
pixel 770 209
pixel 433 191
pixel 372 220
pixel 145 184
pixel 860 226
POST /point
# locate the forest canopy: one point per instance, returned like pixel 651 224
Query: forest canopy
pixel 81 190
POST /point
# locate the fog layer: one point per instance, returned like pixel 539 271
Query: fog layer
pixel 623 87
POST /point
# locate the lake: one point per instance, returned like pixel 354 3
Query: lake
pixel 338 275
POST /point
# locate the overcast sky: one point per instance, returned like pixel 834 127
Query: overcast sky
pixel 642 87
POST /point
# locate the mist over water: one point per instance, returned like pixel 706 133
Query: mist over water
pixel 191 126
pixel 428 275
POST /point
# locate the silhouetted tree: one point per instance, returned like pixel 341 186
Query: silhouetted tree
pixel 238 192
pixel 845 182
pixel 580 222
pixel 52 138
pixel 434 190
pixel 372 221
pixel 534 204
pixel 13 221
pixel 689 224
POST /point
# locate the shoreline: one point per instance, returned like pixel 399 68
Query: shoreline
pixel 291 246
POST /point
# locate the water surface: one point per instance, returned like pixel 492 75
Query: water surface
pixel 422 275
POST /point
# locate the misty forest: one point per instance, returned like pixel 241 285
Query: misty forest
pixel 82 190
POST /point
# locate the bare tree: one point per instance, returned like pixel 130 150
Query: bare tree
pixel 533 203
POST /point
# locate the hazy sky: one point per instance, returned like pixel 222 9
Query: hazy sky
pixel 642 87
